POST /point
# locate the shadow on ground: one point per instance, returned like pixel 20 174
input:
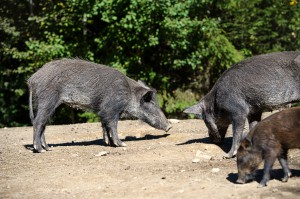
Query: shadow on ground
pixel 100 141
pixel 225 145
pixel 276 174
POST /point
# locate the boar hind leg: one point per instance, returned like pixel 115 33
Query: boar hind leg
pixel 238 123
pixel 45 110
pixel 39 141
pixel 283 162
pixel 44 143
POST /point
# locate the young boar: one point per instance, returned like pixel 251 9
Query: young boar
pixel 260 83
pixel 269 139
pixel 86 85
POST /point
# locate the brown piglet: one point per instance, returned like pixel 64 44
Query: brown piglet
pixel 269 140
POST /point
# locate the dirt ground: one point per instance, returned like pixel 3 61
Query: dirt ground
pixel 179 164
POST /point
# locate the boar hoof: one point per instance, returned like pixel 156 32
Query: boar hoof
pixel 285 179
pixel 118 143
pixel 228 156
pixel 40 150
pixel 239 181
pixel 47 148
pixel 121 144
pixel 262 184
pixel 107 142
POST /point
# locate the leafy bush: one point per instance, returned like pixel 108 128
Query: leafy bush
pixel 178 47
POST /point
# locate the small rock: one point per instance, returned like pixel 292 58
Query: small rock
pixel 215 170
pixel 174 121
pixel 202 156
pixel 275 190
pixel 102 153
pixel 195 160
pixel 205 157
pixel 180 191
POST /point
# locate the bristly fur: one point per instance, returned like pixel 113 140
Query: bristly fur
pixel 267 141
pixel 246 90
pixel 89 86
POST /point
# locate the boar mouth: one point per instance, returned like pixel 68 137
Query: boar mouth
pixel 245 179
pixel 240 181
pixel 168 127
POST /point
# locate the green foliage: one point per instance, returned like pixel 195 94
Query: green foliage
pixel 173 103
pixel 89 117
pixel 178 47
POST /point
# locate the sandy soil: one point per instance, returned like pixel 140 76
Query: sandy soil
pixel 154 164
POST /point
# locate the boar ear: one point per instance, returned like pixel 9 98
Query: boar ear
pixel 144 95
pixel 297 60
pixel 148 96
pixel 246 144
pixel 143 84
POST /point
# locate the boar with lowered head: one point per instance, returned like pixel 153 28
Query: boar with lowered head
pixel 260 83
pixel 86 85
pixel 269 140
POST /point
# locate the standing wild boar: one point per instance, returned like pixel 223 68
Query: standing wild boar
pixel 269 139
pixel 86 85
pixel 260 83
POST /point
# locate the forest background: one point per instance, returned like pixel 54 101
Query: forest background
pixel 178 47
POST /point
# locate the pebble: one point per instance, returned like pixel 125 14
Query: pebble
pixel 174 121
pixel 201 156
pixel 215 170
pixel 275 190
pixel 102 153
pixel 180 191
pixel 195 160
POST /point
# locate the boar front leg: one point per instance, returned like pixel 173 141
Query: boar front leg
pixel 270 158
pixel 112 134
pixel 106 136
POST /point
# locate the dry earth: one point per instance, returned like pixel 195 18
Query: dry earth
pixel 155 164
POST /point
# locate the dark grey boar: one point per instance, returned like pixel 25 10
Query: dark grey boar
pixel 269 140
pixel 86 85
pixel 260 83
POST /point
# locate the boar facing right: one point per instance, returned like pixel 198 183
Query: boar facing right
pixel 269 140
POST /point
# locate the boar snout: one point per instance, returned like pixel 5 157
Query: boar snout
pixel 169 126
pixel 241 181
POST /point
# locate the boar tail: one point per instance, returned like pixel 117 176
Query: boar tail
pixel 195 109
pixel 31 114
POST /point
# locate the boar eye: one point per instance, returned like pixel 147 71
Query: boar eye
pixel 148 96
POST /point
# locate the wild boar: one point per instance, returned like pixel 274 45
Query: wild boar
pixel 269 140
pixel 86 85
pixel 250 87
